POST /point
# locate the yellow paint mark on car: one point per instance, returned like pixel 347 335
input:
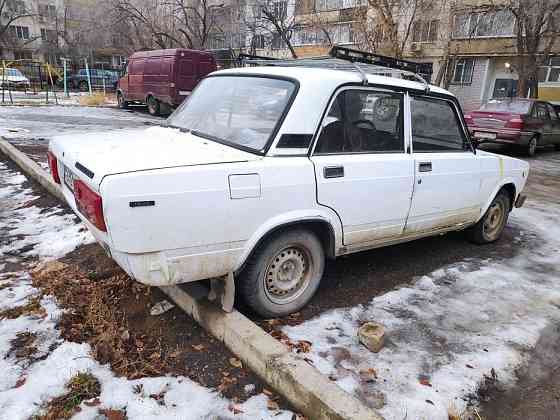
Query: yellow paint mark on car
pixel 501 167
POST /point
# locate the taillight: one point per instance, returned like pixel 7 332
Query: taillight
pixel 89 203
pixel 516 123
pixel 53 165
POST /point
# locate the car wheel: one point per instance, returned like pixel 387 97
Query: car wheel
pixel 489 229
pixel 83 86
pixel 153 105
pixel 532 146
pixel 284 274
pixel 557 147
pixel 122 104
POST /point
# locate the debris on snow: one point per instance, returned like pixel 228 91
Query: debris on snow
pixel 372 335
pixel 161 307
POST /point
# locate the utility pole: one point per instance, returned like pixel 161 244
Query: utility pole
pixel 88 76
pixel 66 93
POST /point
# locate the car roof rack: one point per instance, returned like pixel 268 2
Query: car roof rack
pixel 342 58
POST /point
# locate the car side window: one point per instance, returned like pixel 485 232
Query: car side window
pixel 362 121
pixel 436 126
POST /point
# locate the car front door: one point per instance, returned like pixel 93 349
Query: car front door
pixel 362 167
pixel 447 171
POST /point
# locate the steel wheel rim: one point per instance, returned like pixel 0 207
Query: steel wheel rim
pixel 494 220
pixel 288 275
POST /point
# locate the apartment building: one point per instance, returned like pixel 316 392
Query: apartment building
pixel 471 46
pixel 53 29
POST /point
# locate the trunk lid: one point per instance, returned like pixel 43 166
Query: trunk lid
pixel 491 119
pixel 93 156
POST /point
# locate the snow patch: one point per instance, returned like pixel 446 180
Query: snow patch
pixel 452 327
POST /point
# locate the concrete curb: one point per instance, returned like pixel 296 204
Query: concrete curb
pixel 31 168
pixel 290 375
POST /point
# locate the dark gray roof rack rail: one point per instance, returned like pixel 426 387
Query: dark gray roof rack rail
pixel 342 58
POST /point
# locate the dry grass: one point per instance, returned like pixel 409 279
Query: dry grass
pixel 98 318
pixel 82 387
pixel 95 99
pixel 33 307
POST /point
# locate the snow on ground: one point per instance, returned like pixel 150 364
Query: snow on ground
pixel 33 231
pixel 45 379
pixel 27 385
pixel 449 328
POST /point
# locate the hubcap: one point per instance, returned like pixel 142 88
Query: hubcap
pixel 287 275
pixel 493 221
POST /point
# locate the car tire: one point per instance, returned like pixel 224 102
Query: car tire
pixel 83 86
pixel 283 274
pixel 491 226
pixel 557 147
pixel 153 106
pixel 532 146
pixel 121 103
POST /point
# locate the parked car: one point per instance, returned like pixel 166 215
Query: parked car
pixel 99 79
pixel 162 79
pixel 342 164
pixel 13 79
pixel 525 123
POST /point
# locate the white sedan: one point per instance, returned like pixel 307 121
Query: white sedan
pixel 267 171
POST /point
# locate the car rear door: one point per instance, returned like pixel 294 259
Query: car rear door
pixel 554 125
pixel 362 168
pixel 447 172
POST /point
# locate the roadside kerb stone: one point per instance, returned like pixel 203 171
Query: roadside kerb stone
pixel 290 375
pixel 31 168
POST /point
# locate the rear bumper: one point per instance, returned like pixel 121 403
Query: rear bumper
pixel 503 135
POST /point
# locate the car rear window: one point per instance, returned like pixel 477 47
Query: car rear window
pixel 515 107
pixel 238 110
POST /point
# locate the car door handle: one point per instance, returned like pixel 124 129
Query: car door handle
pixel 333 171
pixel 425 167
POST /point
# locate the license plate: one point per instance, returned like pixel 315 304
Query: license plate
pixel 482 135
pixel 69 178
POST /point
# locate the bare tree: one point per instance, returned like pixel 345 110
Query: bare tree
pixel 536 32
pixel 392 24
pixel 196 20
pixel 276 17
pixel 11 11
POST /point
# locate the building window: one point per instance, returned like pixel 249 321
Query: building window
pixel 463 71
pixel 551 72
pixel 500 23
pixel 280 10
pixel 425 31
pixel 47 11
pixel 258 41
pixel 277 42
pixel 16 6
pixel 48 35
pixel 20 32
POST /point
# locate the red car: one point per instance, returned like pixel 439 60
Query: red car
pixel 162 78
pixel 525 123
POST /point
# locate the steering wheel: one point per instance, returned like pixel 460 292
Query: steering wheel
pixel 365 122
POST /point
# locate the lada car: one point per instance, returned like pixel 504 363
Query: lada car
pixel 265 172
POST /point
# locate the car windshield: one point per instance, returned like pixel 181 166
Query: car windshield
pixel 242 111
pixel 516 107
